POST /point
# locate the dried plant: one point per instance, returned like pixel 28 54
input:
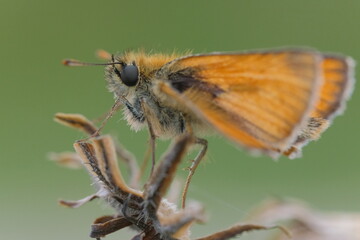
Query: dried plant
pixel 306 223
pixel 147 211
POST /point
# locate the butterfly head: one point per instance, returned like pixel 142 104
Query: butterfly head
pixel 122 77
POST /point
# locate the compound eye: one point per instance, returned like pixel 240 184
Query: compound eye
pixel 129 75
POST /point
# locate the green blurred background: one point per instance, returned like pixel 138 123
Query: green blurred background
pixel 37 35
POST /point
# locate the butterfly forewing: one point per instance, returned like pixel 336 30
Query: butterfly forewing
pixel 256 99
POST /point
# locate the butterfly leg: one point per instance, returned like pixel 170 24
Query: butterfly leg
pixel 170 92
pixel 194 165
pixel 152 146
pixel 164 174
pixel 147 112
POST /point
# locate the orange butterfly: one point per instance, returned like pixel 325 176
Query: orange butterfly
pixel 270 101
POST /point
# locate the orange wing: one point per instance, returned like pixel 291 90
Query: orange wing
pixel 258 100
pixel 338 81
pixel 338 75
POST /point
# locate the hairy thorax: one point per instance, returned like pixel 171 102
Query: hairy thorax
pixel 145 104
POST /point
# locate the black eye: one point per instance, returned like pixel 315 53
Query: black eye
pixel 129 75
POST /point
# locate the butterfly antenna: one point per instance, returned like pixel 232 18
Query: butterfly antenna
pixel 77 63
